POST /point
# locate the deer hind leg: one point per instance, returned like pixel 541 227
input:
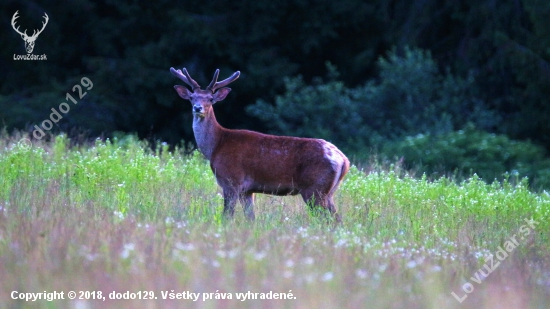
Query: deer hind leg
pixel 332 209
pixel 315 198
pixel 329 201
pixel 247 200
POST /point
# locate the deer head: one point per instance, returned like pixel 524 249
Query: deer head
pixel 202 100
pixel 29 40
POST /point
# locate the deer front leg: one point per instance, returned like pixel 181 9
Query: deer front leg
pixel 247 200
pixel 229 201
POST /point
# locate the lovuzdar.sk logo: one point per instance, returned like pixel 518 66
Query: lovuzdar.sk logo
pixel 29 39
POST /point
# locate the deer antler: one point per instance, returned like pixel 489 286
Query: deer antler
pixel 13 24
pixel 43 26
pixel 185 77
pixel 214 84
pixel 34 33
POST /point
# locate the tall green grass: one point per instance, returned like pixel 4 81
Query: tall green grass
pixel 116 215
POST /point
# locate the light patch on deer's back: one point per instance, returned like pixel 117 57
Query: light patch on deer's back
pixel 333 154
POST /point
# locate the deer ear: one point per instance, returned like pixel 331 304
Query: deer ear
pixel 183 92
pixel 221 94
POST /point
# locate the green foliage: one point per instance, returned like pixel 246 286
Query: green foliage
pixel 414 97
pixel 126 179
pixel 424 209
pixel 325 110
pixel 411 97
pixel 107 173
pixel 469 151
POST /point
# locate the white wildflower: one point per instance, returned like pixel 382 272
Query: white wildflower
pixel 327 276
pixel 126 250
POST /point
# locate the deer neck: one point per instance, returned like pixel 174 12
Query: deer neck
pixel 207 132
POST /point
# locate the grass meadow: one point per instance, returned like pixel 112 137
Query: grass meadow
pixel 115 218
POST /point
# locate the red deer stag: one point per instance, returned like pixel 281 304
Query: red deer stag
pixel 246 162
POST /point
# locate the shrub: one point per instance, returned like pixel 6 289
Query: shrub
pixel 414 97
pixel 470 151
pixel 325 110
pixel 411 97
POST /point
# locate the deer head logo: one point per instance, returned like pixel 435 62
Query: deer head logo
pixel 29 40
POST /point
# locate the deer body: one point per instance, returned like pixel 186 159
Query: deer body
pixel 246 162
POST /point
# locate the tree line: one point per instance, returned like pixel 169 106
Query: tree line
pixel 467 62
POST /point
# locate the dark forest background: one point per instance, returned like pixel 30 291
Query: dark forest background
pixel 448 86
